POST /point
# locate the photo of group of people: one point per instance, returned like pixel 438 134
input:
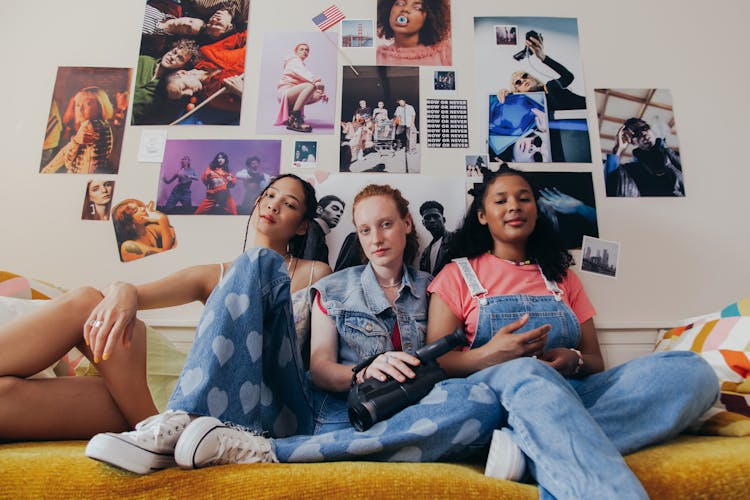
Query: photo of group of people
pixel 191 63
pixel 536 108
pixel 215 177
pixel 379 121
pixel 298 74
pixel 86 121
pixel 305 154
pixel 444 80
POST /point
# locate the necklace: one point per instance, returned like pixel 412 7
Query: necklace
pixel 514 262
pixel 291 265
pixel 393 284
pixel 389 285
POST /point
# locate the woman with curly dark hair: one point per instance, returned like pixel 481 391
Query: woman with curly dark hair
pixel 543 246
pixel 414 32
pixel 533 342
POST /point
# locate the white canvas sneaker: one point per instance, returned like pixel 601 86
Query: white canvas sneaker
pixel 208 441
pixel 148 448
pixel 505 459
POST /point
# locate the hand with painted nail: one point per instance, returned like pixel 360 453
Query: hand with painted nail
pixel 112 320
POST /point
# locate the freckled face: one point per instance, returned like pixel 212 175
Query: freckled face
pixel 381 230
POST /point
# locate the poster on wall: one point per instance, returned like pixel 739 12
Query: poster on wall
pixel 640 147
pixel 414 33
pixel 518 129
pixel 567 199
pixel 436 212
pixel 305 154
pixel 356 33
pixel 97 199
pixel 215 177
pixel 86 121
pixel 298 80
pixel 447 123
pixel 141 230
pixel 536 57
pixel 191 63
pixel 475 165
pixel 600 256
pixel 379 119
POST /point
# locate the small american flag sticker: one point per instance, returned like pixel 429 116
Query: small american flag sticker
pixel 328 17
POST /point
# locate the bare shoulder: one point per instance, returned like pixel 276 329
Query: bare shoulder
pixel 317 268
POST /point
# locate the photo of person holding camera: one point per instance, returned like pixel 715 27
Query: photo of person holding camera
pixel 546 60
pixel 656 169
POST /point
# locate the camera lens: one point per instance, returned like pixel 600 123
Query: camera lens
pixel 362 415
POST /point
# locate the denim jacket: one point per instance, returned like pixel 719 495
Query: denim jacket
pixel 365 319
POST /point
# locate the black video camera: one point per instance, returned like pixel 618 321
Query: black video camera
pixel 373 400
pixel 527 51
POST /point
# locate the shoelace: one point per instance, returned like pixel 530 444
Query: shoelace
pixel 158 425
pixel 243 447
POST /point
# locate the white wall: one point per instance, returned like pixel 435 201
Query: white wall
pixel 679 257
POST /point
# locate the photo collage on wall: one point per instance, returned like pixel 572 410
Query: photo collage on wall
pixel 191 70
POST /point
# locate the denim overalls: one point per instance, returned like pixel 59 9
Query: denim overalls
pixel 574 431
pixel 496 312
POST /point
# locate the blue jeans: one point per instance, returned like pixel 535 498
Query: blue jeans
pixel 245 366
pixel 453 422
pixel 574 432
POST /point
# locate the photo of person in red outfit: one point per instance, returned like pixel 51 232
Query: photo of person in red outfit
pixel 218 180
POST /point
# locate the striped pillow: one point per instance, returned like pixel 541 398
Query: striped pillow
pixel 723 340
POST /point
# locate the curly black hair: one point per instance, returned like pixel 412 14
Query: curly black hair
pixel 544 246
pixel 437 25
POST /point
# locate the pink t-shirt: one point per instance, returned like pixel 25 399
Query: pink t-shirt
pixel 500 277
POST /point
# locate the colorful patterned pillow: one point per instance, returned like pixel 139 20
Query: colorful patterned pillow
pixel 20 287
pixel 723 340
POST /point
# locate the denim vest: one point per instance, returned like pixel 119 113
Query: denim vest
pixel 365 319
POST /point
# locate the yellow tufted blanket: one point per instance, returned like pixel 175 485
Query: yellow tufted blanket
pixel 688 467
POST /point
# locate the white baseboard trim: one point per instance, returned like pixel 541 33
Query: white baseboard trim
pixel 619 342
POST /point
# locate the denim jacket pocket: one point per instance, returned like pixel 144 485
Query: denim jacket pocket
pixel 363 334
